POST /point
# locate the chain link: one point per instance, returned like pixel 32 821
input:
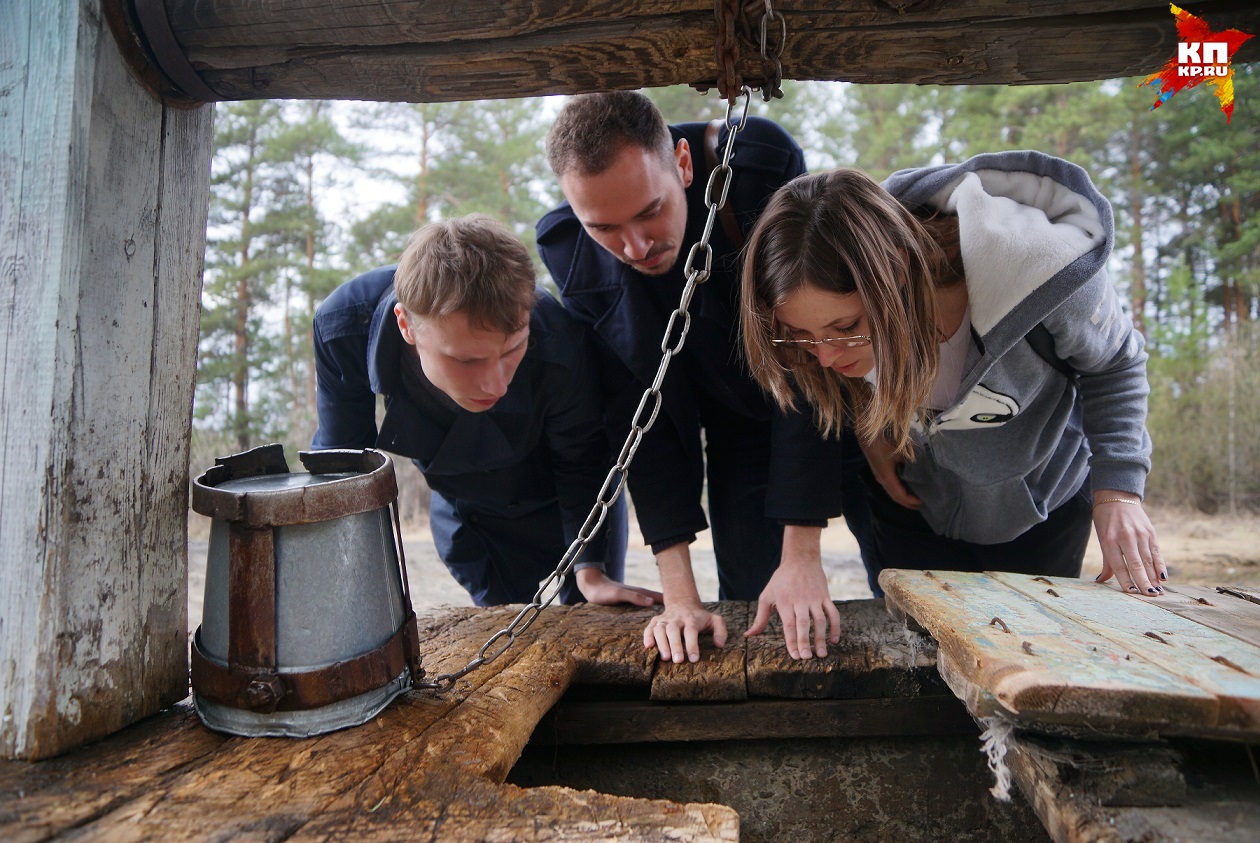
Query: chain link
pixel 726 51
pixel 642 421
pixel 738 25
pixel 772 59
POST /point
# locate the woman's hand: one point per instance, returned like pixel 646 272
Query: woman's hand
pixel 800 594
pixel 1127 539
pixel 798 589
pixel 675 633
pixel 884 465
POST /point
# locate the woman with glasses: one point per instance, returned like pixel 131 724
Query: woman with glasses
pixel 960 318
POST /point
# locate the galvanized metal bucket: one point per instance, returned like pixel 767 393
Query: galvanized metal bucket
pixel 307 624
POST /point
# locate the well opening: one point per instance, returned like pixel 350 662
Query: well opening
pixel 820 787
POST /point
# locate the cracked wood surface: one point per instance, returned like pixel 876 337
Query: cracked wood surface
pixel 433 767
pixel 1058 653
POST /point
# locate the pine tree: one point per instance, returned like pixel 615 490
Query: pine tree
pixel 312 158
pixel 241 268
pixel 410 138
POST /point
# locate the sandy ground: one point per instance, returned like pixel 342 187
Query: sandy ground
pixel 1200 550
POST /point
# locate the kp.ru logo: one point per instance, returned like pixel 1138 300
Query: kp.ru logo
pixel 1213 62
pixel 1202 56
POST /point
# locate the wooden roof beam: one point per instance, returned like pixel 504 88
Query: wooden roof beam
pixel 439 50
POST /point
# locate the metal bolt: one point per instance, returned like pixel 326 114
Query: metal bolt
pixel 264 693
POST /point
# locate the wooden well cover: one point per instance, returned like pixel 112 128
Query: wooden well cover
pixel 1066 654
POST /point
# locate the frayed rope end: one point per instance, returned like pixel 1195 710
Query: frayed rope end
pixel 995 741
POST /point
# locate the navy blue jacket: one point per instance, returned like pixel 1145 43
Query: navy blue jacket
pixel 541 445
pixel 628 311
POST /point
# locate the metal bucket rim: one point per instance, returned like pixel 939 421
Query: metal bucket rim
pixel 374 488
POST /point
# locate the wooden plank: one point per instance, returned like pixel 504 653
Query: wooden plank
pixel 1112 774
pixel 876 657
pixel 1195 655
pixel 607 643
pixel 719 674
pixel 227 24
pixel 40 800
pixel 1250 594
pixel 429 766
pixel 1005 654
pixel 254 786
pixel 101 242
pixel 483 812
pixel 426 760
pixel 448 644
pixel 435 51
pixel 584 722
pixel 1139 792
pixel 251 784
pixel 1223 612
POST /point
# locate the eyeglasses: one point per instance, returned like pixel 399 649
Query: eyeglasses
pixel 834 342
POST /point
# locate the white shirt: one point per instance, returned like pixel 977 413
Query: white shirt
pixel 950 369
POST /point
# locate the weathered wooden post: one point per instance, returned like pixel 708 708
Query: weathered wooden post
pixel 103 198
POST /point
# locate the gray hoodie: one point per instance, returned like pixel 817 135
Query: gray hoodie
pixel 1020 438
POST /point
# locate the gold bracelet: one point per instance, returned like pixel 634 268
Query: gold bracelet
pixel 1115 500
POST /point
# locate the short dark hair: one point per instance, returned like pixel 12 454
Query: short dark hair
pixel 592 128
pixel 473 264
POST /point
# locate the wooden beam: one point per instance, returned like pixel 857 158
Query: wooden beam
pixel 875 657
pixel 585 722
pixel 422 50
pixel 720 674
pixel 1085 792
pixel 102 235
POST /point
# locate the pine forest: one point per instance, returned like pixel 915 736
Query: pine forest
pixel 307 194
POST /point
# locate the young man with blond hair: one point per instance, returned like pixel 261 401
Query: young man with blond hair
pixel 488 389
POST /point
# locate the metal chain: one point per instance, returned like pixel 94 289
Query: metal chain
pixel 738 24
pixel 771 59
pixel 641 423
pixel 726 51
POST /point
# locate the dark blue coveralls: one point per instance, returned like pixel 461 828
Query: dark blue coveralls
pixel 765 469
pixel 511 486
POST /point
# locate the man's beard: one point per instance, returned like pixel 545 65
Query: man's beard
pixel 659 269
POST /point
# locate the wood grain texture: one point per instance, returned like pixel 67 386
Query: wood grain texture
pixel 1089 793
pixel 1193 654
pixel 428 767
pixel 876 657
pixel 96 394
pixel 1065 653
pixel 1222 611
pixel 38 803
pixel 432 767
pixel 719 674
pixel 426 51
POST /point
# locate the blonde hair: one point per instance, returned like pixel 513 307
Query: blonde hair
pixel 473 264
pixel 840 232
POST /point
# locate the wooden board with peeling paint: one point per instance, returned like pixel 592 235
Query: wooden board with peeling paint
pixel 1080 656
